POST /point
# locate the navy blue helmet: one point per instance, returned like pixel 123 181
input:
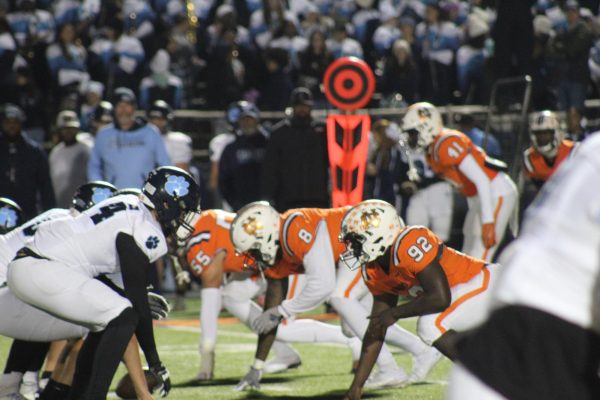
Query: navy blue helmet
pixel 175 197
pixel 91 193
pixel 10 215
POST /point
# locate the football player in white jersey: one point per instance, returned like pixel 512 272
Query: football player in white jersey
pixel 542 337
pixel 26 357
pixel 56 272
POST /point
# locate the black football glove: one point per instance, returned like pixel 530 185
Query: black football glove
pixel 159 307
pixel 164 379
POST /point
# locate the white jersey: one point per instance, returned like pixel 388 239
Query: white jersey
pixel 14 240
pixel 554 264
pixel 179 147
pixel 87 243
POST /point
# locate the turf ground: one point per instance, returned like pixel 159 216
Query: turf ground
pixel 324 373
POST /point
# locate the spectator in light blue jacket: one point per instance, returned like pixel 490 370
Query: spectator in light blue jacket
pixel 127 150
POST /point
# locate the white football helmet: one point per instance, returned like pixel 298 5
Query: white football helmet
pixel 545 121
pixel 425 119
pixel 368 230
pixel 255 234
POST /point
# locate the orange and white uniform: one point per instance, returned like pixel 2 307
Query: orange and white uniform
pixel 469 278
pixel 310 246
pixel 211 237
pixel 536 166
pixel 309 239
pixel 491 194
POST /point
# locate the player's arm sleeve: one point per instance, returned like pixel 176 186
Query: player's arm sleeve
pixel 134 264
pixel 319 270
pixel 473 171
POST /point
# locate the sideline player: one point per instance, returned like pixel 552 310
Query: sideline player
pixel 447 289
pixel 211 256
pixel 56 272
pixel 548 148
pixel 304 241
pixel 491 195
pixel 542 338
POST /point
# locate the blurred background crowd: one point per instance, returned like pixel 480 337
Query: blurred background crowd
pixel 90 89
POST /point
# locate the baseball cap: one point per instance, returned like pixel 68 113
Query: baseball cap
pixel 13 111
pixel 67 119
pixel 301 96
pixel 572 5
pixel 124 94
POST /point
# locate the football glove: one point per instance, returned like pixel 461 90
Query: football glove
pixel 164 379
pixel 251 380
pixel 267 321
pixel 159 307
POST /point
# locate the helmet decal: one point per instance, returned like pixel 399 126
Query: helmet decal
pixel 177 186
pixel 8 217
pixel 100 194
pixel 252 227
pixel 370 219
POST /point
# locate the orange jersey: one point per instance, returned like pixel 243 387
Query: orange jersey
pixel 297 235
pixel 536 166
pixel 415 248
pixel 210 237
pixel 447 151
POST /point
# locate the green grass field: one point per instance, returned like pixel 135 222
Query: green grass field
pixel 324 373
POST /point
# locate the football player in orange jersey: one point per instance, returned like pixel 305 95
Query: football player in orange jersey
pixel 491 194
pixel 210 256
pixel 306 241
pixel 447 289
pixel 548 148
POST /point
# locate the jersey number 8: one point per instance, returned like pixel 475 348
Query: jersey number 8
pixel 305 236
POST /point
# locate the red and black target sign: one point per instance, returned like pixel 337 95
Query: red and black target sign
pixel 349 83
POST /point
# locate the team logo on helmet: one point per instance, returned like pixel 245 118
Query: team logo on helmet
pixel 177 185
pixel 101 194
pixel 252 226
pixel 370 219
pixel 424 113
pixel 8 217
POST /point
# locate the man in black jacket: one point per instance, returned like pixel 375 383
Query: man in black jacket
pixel 241 162
pixel 295 169
pixel 23 166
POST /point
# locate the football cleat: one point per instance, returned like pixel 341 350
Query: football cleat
pixel 395 378
pixel 278 364
pixel 423 363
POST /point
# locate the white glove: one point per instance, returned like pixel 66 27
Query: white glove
pixel 159 307
pixel 183 278
pixel 251 380
pixel 267 321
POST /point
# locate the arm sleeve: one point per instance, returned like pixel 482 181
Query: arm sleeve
pixel 134 264
pixel 473 171
pixel 319 269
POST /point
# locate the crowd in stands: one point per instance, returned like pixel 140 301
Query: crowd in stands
pixel 71 54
